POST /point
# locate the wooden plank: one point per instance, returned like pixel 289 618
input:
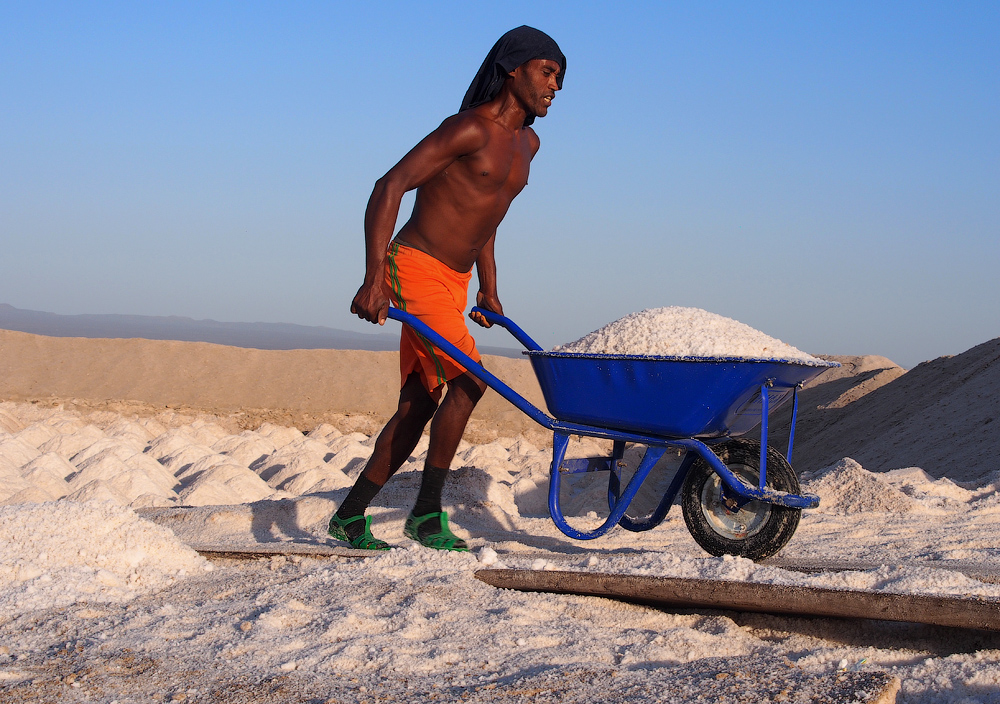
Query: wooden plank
pixel 975 570
pixel 961 612
pixel 288 549
pixel 982 572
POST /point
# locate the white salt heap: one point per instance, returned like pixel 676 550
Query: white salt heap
pixel 683 332
pixel 56 554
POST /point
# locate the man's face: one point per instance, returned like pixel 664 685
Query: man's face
pixel 535 85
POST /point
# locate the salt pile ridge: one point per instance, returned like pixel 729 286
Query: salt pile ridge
pixel 59 553
pixel 676 331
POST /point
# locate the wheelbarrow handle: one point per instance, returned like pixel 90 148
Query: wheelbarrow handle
pixel 477 370
pixel 505 322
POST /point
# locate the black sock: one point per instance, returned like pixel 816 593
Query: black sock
pixel 431 484
pixel 361 494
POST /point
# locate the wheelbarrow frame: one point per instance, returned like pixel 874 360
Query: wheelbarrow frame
pixel 619 500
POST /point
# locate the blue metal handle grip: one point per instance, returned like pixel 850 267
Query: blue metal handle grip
pixel 505 322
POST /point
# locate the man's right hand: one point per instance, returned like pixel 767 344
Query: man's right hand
pixel 371 303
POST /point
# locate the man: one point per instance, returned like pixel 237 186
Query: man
pixel 466 173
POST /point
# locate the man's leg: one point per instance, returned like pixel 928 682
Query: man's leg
pixel 447 428
pixel 393 446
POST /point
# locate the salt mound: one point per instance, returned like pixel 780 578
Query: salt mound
pixel 30 494
pixel 107 447
pixel 9 424
pixel 46 478
pixel 11 482
pixel 339 443
pixel 16 451
pixel 279 435
pixel 206 433
pixel 846 487
pixel 129 430
pixel 324 433
pixel 56 554
pixel 37 433
pixel 319 479
pixel 247 448
pixel 133 483
pixel 293 459
pixel 97 490
pixel 169 443
pixel 927 491
pixel 70 444
pixel 225 483
pixel 109 469
pixel 41 432
pixel 180 462
pixel 152 426
pixel 684 332
pixel 53 463
pixel 350 457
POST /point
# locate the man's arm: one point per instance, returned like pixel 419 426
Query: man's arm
pixel 457 136
pixel 487 297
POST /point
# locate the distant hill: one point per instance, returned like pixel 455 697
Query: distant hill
pixel 261 336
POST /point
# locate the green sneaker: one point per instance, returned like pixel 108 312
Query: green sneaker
pixel 444 539
pixel 364 541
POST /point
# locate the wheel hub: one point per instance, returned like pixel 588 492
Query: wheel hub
pixel 724 513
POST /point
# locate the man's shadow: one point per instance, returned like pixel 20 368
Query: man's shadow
pixel 283 521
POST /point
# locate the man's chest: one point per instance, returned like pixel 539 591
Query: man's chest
pixel 502 166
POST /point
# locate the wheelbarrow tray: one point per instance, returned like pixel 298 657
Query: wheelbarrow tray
pixel 671 397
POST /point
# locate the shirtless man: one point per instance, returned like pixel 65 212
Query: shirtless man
pixel 466 173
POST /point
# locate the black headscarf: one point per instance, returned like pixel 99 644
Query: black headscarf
pixel 516 47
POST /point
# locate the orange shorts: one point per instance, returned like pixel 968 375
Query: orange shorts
pixel 436 294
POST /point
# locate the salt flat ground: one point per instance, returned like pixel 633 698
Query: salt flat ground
pixel 101 599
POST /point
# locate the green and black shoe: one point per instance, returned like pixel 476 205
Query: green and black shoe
pixel 358 537
pixel 433 533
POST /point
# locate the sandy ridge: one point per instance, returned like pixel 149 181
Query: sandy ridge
pixel 939 416
pixel 296 387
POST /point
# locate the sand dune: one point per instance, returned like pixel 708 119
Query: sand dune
pixel 294 387
pixel 939 416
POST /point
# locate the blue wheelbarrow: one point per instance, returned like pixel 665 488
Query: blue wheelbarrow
pixel 738 496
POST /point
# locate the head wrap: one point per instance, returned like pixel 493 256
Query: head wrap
pixel 516 47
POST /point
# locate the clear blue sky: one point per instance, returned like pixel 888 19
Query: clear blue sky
pixel 828 173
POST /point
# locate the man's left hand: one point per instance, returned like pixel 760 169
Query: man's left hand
pixel 486 302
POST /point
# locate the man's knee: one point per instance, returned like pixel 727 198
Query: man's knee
pixel 468 386
pixel 415 400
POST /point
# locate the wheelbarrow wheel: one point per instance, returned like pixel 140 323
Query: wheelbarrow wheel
pixel 755 530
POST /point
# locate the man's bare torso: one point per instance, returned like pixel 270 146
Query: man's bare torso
pixel 457 211
pixel 465 173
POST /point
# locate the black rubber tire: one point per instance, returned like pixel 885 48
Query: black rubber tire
pixel 759 529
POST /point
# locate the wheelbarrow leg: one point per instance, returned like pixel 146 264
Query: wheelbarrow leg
pixel 559 443
pixel 638 526
pixel 764 411
pixel 615 477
